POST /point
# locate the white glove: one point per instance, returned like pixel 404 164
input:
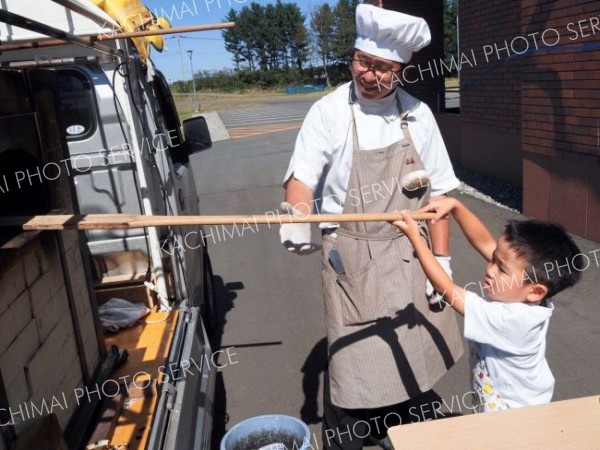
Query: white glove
pixel 296 237
pixel 435 297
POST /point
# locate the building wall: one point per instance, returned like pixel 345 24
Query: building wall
pixel 430 86
pixel 561 117
pixel 490 89
pixel 529 108
pixel 449 124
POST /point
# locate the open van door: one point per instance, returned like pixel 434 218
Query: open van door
pixel 122 143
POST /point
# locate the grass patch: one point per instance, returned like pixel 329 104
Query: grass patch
pixel 222 101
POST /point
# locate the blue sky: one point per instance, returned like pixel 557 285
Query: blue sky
pixel 208 46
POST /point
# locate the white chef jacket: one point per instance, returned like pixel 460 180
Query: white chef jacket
pixel 322 156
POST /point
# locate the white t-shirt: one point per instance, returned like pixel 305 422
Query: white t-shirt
pixel 508 347
pixel 323 151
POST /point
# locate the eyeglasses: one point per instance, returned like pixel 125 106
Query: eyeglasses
pixel 364 66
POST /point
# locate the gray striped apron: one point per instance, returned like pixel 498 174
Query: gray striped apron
pixel 386 343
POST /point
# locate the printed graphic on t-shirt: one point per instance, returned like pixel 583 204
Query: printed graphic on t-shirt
pixel 488 398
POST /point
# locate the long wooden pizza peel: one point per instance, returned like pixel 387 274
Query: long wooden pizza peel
pixel 130 221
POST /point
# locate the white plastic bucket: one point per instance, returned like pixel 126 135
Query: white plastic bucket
pixel 269 432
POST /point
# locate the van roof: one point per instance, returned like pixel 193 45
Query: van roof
pixel 95 20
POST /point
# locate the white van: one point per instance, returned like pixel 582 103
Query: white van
pixel 123 151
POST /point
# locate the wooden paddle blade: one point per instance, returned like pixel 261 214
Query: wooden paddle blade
pixel 130 221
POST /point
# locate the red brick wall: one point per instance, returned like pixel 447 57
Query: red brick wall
pixel 561 87
pixel 430 87
pixel 551 94
pixel 534 119
pixel 561 116
pixel 490 87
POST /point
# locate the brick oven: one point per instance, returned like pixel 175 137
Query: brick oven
pixel 51 342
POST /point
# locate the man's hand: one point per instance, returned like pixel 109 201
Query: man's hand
pixel 296 237
pixel 411 230
pixel 436 297
pixel 441 206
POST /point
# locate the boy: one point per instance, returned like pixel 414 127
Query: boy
pixel 506 328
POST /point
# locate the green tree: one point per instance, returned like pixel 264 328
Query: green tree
pixel 345 29
pixel 233 39
pixel 297 36
pixel 248 36
pixel 300 46
pixel 450 32
pixel 253 16
pixel 274 21
pixel 322 25
pixel 269 38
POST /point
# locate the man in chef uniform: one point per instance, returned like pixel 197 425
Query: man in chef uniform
pixel 389 337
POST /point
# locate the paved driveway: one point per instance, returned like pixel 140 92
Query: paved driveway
pixel 272 306
pixel 275 115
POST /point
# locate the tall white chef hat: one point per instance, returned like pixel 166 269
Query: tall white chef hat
pixel 390 34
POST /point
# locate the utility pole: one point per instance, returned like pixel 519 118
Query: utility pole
pixel 181 58
pixel 193 83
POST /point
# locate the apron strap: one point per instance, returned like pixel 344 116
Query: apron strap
pixel 356 149
pixel 352 98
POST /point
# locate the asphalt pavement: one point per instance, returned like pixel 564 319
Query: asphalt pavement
pixel 271 301
pixel 273 115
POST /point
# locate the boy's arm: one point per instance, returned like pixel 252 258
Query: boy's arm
pixel 476 232
pixel 438 277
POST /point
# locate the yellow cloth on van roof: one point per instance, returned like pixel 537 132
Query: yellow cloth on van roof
pixel 132 15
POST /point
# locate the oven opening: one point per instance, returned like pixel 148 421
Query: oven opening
pixel 23 190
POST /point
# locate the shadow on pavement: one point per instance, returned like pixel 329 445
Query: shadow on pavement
pixel 315 364
pixel 225 294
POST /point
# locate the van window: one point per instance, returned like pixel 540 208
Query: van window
pixel 76 104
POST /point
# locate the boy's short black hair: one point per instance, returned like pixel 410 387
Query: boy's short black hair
pixel 553 257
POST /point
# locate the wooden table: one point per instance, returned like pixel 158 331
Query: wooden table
pixel 569 424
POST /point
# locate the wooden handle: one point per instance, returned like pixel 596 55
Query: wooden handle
pixel 129 221
pixel 92 38
pixel 157 32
